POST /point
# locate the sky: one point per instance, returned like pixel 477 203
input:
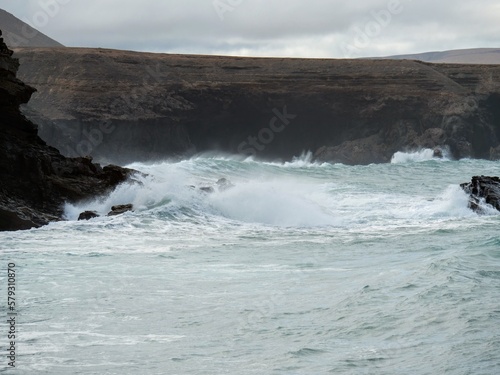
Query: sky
pixel 279 28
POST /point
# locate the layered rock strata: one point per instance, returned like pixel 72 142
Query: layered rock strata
pixel 127 106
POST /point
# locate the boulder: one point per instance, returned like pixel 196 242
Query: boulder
pixel 437 153
pixel 87 215
pixel 120 209
pixel 483 189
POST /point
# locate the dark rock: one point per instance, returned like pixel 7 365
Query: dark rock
pixel 35 179
pixel 429 139
pixel 437 153
pixel 483 189
pixel 120 209
pixel 4 50
pixel 11 221
pixel 87 215
pixel 361 151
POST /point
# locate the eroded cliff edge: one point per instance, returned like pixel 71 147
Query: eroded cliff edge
pixel 127 106
pixel 35 179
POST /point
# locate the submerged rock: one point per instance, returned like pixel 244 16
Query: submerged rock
pixel 224 184
pixel 483 188
pixel 120 209
pixel 87 215
pixel 207 189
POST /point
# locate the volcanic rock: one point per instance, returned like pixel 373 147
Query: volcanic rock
pixel 87 215
pixel 483 189
pixel 35 179
pixel 120 209
pixel 437 153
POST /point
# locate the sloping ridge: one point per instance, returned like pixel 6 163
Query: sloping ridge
pixel 17 33
pixel 459 56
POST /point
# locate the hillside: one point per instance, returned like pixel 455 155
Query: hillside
pixel 461 56
pixel 17 33
pixel 125 106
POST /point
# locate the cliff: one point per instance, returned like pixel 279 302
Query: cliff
pixel 35 179
pixel 126 106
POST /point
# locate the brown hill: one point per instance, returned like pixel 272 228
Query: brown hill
pixel 19 34
pixel 126 106
pixel 460 56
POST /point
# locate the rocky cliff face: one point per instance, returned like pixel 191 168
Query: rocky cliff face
pixel 125 106
pixel 483 190
pixel 35 179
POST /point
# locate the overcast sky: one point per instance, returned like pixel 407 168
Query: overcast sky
pixel 293 28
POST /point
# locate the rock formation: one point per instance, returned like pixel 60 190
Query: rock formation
pixel 87 215
pixel 483 189
pixel 4 50
pixel 128 106
pixel 120 209
pixel 35 179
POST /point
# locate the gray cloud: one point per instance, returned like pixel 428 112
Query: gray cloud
pixel 313 28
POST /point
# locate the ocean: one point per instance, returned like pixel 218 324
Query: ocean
pixel 291 268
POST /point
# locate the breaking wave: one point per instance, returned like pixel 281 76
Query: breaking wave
pixel 419 156
pixel 300 193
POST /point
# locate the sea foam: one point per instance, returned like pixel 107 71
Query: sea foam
pixel 418 156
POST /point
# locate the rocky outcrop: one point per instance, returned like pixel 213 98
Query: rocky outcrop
pixel 127 106
pixel 483 189
pixel 35 179
pixel 87 215
pixel 115 211
pixel 120 209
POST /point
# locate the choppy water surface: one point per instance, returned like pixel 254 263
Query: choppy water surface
pixel 299 268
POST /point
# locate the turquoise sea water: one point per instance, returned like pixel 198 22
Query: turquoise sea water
pixel 299 268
